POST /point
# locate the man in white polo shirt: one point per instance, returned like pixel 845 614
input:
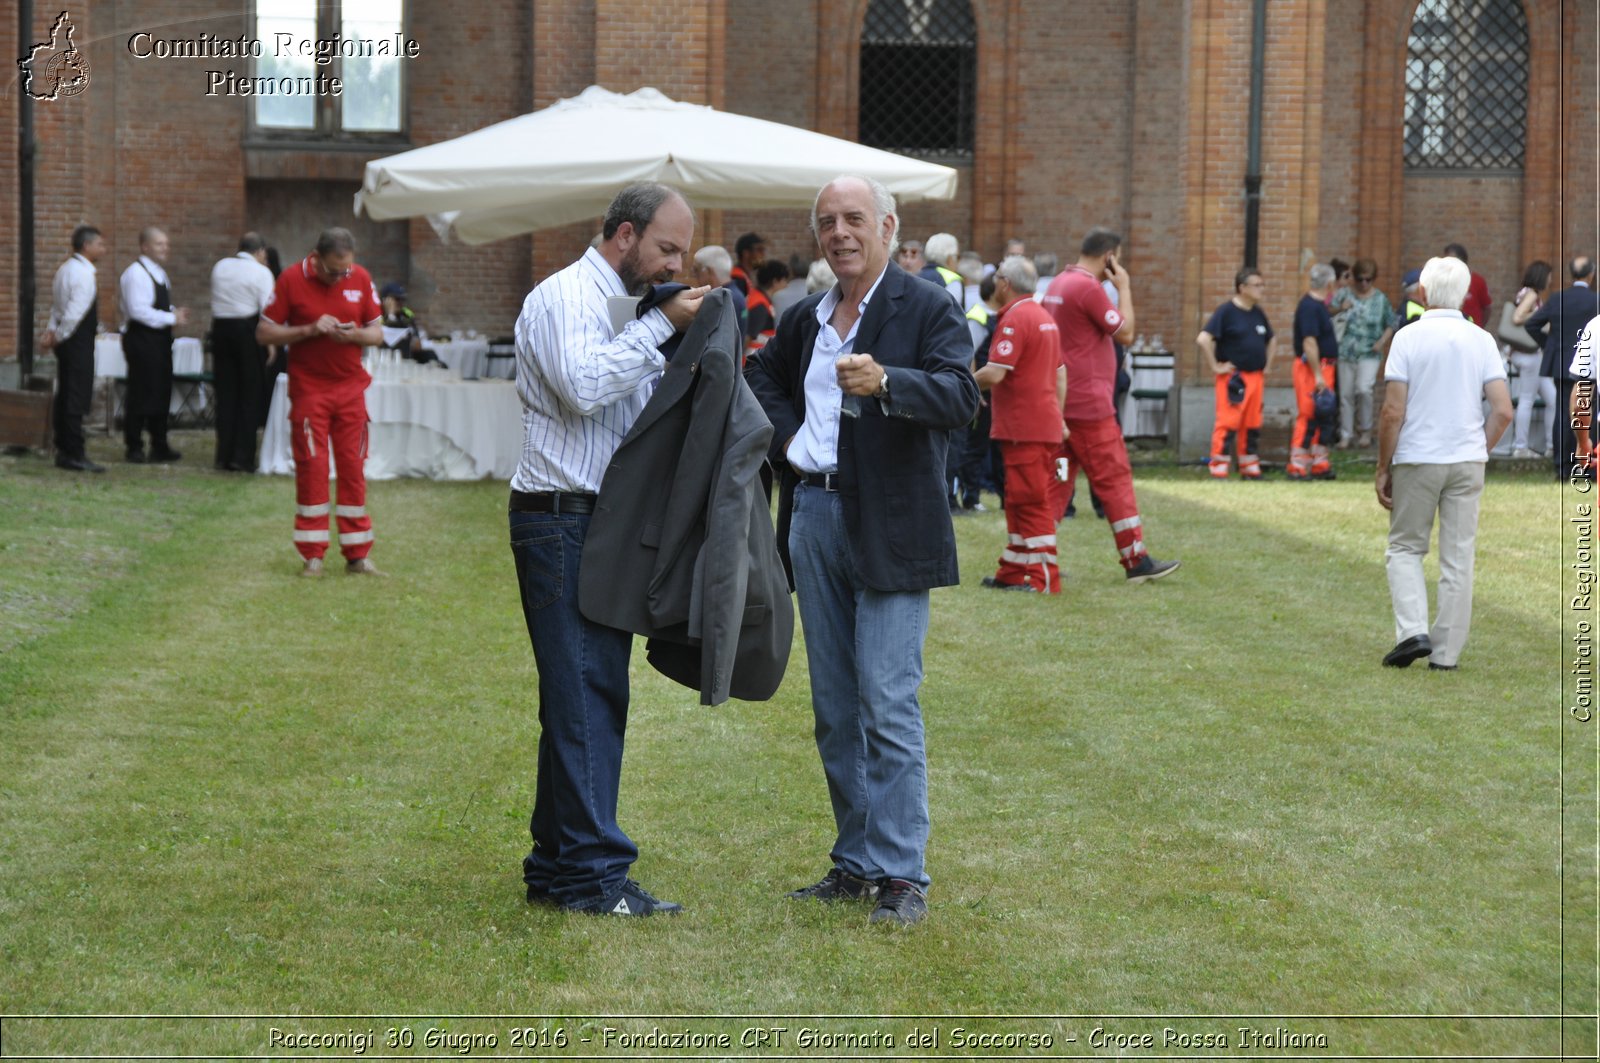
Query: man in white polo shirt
pixel 1433 443
pixel 1584 370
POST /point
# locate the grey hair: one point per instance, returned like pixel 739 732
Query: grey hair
pixel 1321 275
pixel 882 206
pixel 1018 272
pixel 970 266
pixel 717 260
pixel 1446 280
pixel 1046 263
pixel 335 239
pixel 819 276
pixel 940 247
pixel 637 204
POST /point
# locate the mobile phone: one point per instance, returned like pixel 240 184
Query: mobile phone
pixel 346 326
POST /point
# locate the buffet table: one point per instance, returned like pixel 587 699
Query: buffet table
pixel 429 425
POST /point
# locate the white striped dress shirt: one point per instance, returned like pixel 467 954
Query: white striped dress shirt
pixel 72 294
pixel 582 385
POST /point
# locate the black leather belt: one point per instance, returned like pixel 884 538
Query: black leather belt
pixel 552 502
pixel 827 481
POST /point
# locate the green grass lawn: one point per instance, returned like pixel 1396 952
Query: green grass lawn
pixel 226 790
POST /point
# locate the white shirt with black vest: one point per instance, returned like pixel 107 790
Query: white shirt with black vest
pixel 138 294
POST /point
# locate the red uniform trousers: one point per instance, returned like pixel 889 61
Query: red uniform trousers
pixel 1240 425
pixel 1305 457
pixel 1097 449
pixel 1030 554
pixel 317 413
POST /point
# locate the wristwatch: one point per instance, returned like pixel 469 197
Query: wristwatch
pixel 882 394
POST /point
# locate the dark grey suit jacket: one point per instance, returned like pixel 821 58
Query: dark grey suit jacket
pixel 891 461
pixel 681 545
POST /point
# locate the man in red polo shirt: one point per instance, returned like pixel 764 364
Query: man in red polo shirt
pixel 1088 321
pixel 1027 385
pixel 325 309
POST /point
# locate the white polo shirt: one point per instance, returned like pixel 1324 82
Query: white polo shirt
pixel 1444 360
pixel 1586 352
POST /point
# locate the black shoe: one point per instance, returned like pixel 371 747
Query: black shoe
pixel 1149 568
pixel 136 457
pixel 837 885
pixel 541 897
pixel 1440 667
pixel 78 464
pixel 1413 648
pixel 632 900
pixel 1071 513
pixel 165 456
pixel 899 902
pixel 995 585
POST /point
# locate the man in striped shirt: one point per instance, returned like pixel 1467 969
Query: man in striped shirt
pixel 583 383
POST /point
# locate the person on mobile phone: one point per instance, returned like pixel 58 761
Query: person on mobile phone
pixel 325 310
pixel 1087 324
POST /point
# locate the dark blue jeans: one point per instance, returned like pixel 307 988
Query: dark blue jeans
pixel 579 853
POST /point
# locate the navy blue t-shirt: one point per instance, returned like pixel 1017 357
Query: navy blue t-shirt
pixel 1241 336
pixel 1311 318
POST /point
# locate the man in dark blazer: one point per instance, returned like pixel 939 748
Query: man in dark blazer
pixel 1556 326
pixel 863 383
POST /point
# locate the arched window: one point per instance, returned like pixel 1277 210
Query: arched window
pixel 919 65
pixel 1467 85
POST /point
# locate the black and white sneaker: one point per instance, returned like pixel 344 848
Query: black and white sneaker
pixel 633 900
pixel 1149 568
pixel 837 885
pixel 900 902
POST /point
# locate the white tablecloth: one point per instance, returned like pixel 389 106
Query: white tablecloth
pixel 438 428
pixel 188 356
pixel 470 357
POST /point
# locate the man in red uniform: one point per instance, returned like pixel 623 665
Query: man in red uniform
pixel 325 309
pixel 1087 322
pixel 1028 387
pixel 1476 306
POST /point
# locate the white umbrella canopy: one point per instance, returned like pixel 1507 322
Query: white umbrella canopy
pixel 565 163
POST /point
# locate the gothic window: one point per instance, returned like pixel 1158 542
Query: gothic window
pixel 1466 85
pixel 919 63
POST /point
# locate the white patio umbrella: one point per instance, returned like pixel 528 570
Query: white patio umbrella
pixel 565 163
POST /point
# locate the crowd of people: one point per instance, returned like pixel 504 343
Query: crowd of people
pixel 896 381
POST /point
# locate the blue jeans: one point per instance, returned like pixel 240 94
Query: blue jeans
pixel 864 653
pixel 579 853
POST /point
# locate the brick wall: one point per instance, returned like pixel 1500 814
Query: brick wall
pixel 1482 214
pixel 471 72
pixel 1131 114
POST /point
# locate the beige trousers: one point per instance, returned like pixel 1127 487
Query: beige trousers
pixel 1420 491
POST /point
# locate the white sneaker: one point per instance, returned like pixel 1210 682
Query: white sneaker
pixel 312 568
pixel 1523 452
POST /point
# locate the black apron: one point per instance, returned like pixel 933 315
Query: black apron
pixel 149 354
pixel 75 365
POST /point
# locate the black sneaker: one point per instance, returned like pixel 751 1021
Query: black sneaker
pixel 136 457
pixel 995 585
pixel 165 456
pixel 1149 568
pixel 899 902
pixel 634 900
pixel 837 885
